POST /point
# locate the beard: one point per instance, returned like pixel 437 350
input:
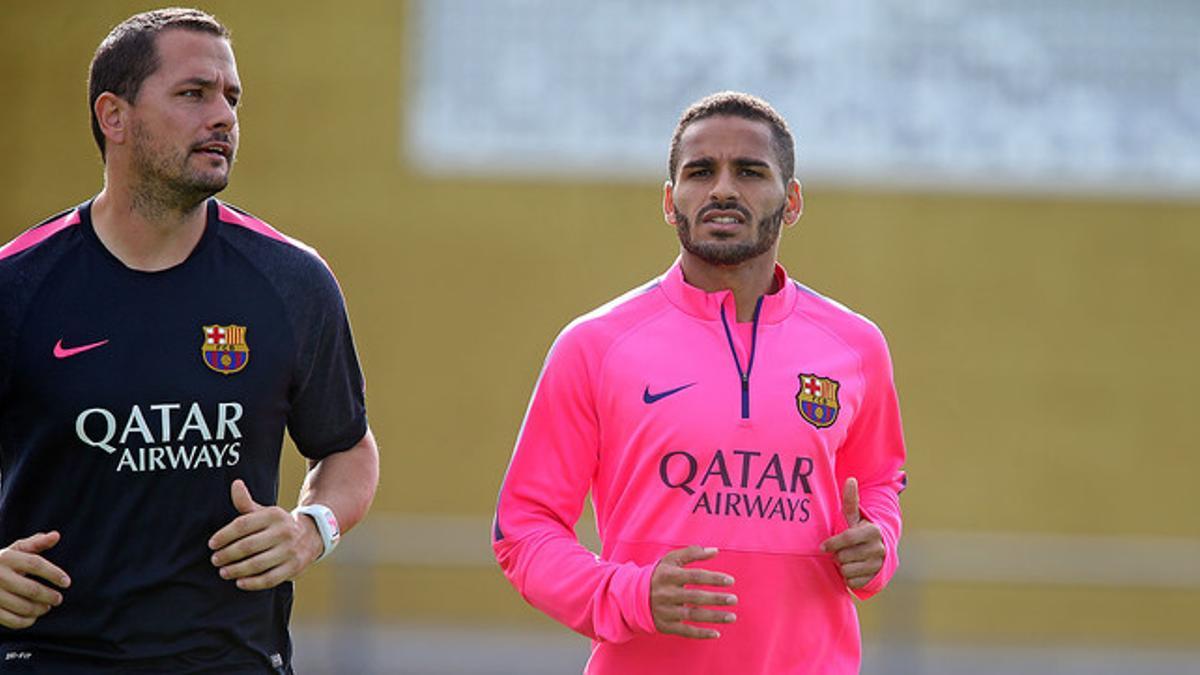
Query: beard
pixel 166 179
pixel 731 252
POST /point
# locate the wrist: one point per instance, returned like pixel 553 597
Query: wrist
pixel 326 524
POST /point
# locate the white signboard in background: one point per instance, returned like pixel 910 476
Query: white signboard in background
pixel 1057 95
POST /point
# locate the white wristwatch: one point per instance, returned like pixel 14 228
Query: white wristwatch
pixel 327 525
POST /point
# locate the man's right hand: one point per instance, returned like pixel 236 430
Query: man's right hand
pixel 22 599
pixel 672 602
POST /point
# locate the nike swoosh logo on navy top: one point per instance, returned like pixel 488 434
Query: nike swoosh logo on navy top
pixel 61 352
pixel 647 397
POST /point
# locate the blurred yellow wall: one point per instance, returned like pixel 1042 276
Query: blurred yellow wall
pixel 1045 348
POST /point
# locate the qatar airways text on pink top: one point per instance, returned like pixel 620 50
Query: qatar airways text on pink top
pixel 691 429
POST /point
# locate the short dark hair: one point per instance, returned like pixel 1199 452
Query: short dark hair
pixel 746 106
pixel 128 55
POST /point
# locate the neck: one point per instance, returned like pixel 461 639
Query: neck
pixel 748 281
pixel 144 233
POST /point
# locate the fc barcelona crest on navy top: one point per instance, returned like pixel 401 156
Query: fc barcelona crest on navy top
pixel 224 348
pixel 817 400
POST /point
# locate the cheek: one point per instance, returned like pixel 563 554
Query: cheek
pixel 684 202
pixel 768 201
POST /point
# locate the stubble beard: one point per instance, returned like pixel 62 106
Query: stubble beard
pixel 731 253
pixel 165 181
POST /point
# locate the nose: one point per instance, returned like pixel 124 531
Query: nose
pixel 224 114
pixel 724 188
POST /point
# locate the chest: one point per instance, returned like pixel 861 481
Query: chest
pixel 120 357
pixel 786 390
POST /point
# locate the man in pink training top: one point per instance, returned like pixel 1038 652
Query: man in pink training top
pixel 739 433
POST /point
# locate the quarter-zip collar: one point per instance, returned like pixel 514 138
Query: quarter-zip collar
pixel 704 305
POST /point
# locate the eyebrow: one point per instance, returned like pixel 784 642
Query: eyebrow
pixel 205 82
pixel 708 162
pixel 751 162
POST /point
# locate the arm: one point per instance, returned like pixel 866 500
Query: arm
pixel 345 482
pixel 267 545
pixel 869 467
pixel 541 498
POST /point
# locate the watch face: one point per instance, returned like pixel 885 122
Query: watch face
pixel 327 526
pixel 331 520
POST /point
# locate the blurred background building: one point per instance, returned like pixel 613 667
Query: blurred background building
pixel 1011 190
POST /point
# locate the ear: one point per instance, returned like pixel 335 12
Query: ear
pixel 669 203
pixel 112 113
pixel 795 203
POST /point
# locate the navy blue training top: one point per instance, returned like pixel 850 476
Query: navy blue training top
pixel 129 401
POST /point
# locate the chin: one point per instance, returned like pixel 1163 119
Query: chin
pixel 212 183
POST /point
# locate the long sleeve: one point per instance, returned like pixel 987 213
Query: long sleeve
pixel 548 478
pixel 874 454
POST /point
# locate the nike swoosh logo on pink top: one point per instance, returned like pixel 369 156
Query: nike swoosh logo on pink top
pixel 61 352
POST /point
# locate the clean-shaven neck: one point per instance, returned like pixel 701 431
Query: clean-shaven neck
pixel 143 235
pixel 749 280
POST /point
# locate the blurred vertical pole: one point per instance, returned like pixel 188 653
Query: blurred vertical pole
pixel 900 622
pixel 353 632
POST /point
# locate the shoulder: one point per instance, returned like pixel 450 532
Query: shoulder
pixel 854 330
pixel 41 240
pixel 30 258
pixel 292 265
pixel 25 263
pixel 600 328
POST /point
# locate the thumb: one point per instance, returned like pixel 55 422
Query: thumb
pixel 850 501
pixel 241 497
pixel 37 543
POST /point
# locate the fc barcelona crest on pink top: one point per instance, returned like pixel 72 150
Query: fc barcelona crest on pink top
pixel 817 400
pixel 224 348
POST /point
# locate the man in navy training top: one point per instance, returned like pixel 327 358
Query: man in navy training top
pixel 154 344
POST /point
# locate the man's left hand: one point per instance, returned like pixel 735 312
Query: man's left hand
pixel 859 549
pixel 265 545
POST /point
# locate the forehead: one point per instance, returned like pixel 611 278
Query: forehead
pixel 184 54
pixel 726 137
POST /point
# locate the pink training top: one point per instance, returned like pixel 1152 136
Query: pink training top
pixel 644 403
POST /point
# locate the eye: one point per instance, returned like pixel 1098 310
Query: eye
pixel 750 173
pixel 233 101
pixel 699 173
pixel 192 93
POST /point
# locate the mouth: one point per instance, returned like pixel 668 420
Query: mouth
pixel 215 149
pixel 724 219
